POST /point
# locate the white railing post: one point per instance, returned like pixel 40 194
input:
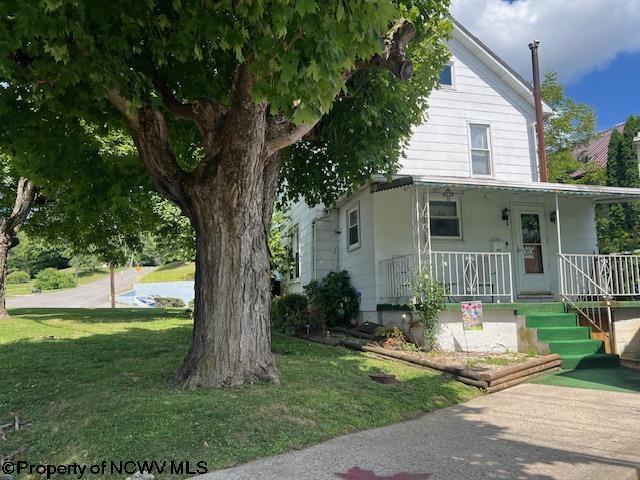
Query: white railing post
pixel 510 277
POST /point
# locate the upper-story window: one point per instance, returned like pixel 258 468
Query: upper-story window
pixel 444 219
pixel 353 227
pixel 294 252
pixel 480 140
pixel 446 75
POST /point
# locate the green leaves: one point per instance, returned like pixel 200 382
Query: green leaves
pixel 298 49
pixel 367 128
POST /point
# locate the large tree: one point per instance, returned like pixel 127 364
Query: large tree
pixel 572 123
pixel 17 195
pixel 213 93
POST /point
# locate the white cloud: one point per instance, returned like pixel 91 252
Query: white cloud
pixel 576 36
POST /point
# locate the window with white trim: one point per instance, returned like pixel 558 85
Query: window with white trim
pixel 294 253
pixel 446 76
pixel 353 227
pixel 480 141
pixel 444 218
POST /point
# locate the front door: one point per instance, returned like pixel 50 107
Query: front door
pixel 531 249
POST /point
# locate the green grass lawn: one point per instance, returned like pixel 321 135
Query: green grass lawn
pixel 97 385
pixel 85 277
pixel 171 272
pixel 19 289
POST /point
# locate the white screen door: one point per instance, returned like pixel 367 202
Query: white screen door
pixel 531 249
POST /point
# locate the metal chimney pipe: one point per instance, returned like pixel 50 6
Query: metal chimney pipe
pixel 537 98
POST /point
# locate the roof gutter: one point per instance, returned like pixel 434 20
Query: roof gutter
pixel 537 98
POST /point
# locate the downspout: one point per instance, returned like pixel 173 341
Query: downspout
pixel 537 98
pixel 326 215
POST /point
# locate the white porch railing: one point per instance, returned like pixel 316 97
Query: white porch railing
pixel 396 274
pixel 473 274
pixel 465 275
pixel 607 276
pixel 589 282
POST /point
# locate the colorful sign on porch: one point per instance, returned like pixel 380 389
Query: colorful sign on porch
pixel 471 315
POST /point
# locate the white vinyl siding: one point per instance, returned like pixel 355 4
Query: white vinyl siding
pixel 440 146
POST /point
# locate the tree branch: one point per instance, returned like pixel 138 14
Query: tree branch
pixel 282 133
pixel 179 109
pixel 25 196
pixel 122 105
pixel 153 141
pixel 393 56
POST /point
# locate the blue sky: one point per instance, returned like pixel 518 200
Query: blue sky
pixel 594 45
pixel 614 90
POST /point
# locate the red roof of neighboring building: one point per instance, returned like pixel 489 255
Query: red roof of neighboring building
pixel 596 150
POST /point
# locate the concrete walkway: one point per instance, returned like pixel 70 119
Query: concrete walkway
pixel 539 432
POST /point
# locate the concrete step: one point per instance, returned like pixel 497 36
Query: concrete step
pixel 576 347
pixel 552 307
pixel 563 333
pixel 544 320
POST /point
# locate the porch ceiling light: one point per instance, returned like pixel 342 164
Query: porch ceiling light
pixel 505 215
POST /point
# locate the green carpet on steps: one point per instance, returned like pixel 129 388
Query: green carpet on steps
pixel 616 379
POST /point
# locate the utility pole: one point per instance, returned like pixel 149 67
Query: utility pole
pixel 112 275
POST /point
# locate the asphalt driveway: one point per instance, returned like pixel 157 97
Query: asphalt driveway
pixel 532 431
pixel 91 295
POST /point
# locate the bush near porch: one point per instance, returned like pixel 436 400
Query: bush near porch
pixel 97 385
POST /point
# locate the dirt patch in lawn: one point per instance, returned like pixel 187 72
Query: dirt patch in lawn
pixel 476 361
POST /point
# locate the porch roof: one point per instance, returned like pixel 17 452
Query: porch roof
pixel 600 194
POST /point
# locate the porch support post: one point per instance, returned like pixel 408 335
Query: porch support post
pixel 560 262
pixel 558 225
pixel 417 227
pixel 427 227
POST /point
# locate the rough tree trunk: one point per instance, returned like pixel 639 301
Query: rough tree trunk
pixel 4 252
pixel 9 226
pixel 231 213
pixel 231 338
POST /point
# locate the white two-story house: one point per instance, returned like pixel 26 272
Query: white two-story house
pixel 467 204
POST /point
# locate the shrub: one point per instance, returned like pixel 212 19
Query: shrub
pixel 169 302
pixel 333 301
pixel 17 277
pixel 289 311
pixel 431 298
pixel 53 279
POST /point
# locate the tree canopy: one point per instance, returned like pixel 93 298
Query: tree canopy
pixel 213 95
pixel 571 124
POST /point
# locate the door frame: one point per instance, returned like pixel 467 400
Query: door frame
pixel 516 237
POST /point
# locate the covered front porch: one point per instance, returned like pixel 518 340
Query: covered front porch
pixel 499 242
pixel 503 243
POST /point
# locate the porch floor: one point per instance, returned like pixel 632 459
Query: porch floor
pixel 616 379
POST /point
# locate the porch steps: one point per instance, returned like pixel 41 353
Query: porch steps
pixel 542 320
pixel 567 338
pixel 549 334
pixel 551 307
